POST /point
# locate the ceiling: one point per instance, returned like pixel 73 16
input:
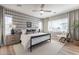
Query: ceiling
pixel 27 9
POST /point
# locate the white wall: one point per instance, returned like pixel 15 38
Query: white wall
pixel 45 25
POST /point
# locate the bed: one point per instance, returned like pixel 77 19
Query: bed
pixel 29 40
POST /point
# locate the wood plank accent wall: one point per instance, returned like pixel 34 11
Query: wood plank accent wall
pixel 20 19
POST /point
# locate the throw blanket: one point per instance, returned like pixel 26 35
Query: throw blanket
pixel 25 38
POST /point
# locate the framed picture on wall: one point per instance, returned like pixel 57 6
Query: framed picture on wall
pixel 29 24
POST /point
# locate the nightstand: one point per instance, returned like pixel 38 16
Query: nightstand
pixel 12 39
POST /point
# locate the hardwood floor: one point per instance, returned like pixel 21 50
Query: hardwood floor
pixel 7 50
pixel 47 48
pixel 70 49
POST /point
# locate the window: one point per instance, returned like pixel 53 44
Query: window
pixel 8 23
pixel 59 25
pixel 40 25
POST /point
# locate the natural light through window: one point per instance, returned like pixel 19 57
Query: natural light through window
pixel 59 25
pixel 40 25
pixel 8 23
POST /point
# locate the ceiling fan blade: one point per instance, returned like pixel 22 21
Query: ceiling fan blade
pixel 47 10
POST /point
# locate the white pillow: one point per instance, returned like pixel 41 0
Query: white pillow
pixel 24 31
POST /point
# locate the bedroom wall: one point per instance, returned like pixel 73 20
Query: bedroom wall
pixel 21 23
pixel 20 19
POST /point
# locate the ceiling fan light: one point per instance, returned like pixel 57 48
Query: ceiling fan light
pixel 41 12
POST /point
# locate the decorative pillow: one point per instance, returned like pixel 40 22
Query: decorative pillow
pixel 24 31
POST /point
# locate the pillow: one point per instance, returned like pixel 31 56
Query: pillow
pixel 24 31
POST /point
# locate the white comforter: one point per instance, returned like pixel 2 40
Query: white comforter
pixel 25 38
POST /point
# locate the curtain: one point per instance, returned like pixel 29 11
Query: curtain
pixel 1 26
pixel 73 20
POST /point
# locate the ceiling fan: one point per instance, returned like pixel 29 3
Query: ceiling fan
pixel 41 11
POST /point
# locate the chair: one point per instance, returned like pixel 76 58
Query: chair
pixel 65 38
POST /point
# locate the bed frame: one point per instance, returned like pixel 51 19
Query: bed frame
pixel 41 37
